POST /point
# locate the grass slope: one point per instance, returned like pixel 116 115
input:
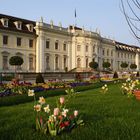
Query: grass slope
pixel 107 117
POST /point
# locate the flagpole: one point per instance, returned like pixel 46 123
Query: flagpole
pixel 75 14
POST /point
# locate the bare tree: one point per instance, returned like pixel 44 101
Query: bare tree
pixel 131 11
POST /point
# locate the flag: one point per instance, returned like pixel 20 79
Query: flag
pixel 75 13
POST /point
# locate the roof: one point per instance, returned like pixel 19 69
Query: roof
pixel 12 27
pixel 123 44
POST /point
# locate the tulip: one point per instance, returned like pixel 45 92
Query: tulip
pixel 60 117
pixel 62 99
pixel 56 111
pixel 75 113
pixel 66 123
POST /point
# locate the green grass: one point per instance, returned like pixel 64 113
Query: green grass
pixel 109 116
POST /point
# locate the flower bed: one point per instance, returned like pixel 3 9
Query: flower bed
pixel 17 87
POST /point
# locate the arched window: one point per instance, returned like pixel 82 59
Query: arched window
pixel 78 62
pixel 5 62
pixel 31 64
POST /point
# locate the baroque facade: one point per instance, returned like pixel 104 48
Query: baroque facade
pixel 49 48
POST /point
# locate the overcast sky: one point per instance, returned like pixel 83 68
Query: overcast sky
pixel 102 14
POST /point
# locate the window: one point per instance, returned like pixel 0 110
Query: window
pixel 122 55
pixel 125 55
pixel 19 67
pixel 56 45
pixel 94 48
pixel 103 52
pixel 86 48
pixel 118 65
pixel 19 25
pixel 86 62
pixel 78 48
pixel 5 23
pixel 30 28
pixel 98 50
pixel 107 52
pixel 30 43
pixel 111 53
pixel 47 44
pixel 65 62
pixel 18 41
pixel 78 62
pixel 56 63
pixel 5 40
pixel 31 66
pixel 118 54
pixel 47 63
pixel 64 47
pixel 5 62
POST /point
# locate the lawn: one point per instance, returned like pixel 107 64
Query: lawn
pixel 110 116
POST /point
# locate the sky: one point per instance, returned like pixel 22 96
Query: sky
pixel 104 15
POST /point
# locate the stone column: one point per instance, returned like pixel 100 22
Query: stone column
pixel 40 45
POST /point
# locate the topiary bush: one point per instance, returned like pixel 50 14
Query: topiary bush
pixel 115 75
pixel 137 75
pixel 39 78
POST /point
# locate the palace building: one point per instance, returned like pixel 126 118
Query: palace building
pixel 49 48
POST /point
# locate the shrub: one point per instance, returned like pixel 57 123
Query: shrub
pixel 124 65
pixel 115 75
pixel 93 65
pixel 39 78
pixel 16 61
pixel 106 64
pixel 133 66
pixel 137 75
pixel 66 69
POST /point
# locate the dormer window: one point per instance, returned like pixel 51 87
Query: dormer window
pixel 30 27
pixel 4 22
pixel 18 25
